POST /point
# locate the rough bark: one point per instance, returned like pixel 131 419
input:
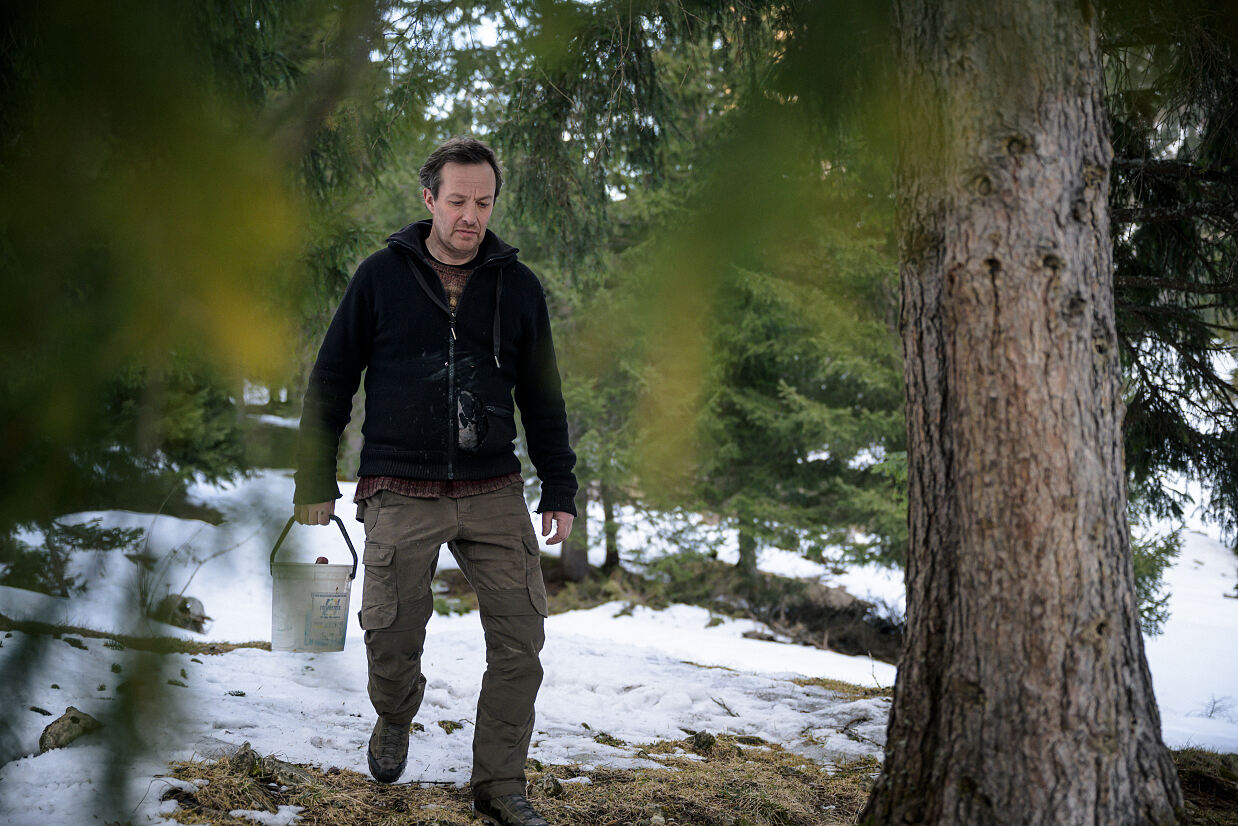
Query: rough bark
pixel 747 563
pixel 1023 695
pixel 610 528
pixel 574 558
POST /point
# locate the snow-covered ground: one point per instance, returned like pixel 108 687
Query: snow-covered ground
pixel 1194 662
pixel 638 675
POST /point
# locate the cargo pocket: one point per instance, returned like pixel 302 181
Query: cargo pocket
pixel 379 600
pixel 368 510
pixel 533 576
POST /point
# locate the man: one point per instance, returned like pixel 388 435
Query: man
pixel 447 323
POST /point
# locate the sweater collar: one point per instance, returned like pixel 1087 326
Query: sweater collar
pixel 493 251
pixel 412 239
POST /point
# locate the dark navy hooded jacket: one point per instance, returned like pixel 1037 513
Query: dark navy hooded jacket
pixel 439 386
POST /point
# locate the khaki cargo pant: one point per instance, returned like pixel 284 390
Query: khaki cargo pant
pixel 492 539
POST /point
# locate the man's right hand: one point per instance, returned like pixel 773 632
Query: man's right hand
pixel 319 514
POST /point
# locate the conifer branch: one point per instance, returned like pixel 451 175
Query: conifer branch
pixel 1134 283
pixel 1178 212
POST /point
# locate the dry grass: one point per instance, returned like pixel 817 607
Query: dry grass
pixel 158 645
pixel 336 796
pixel 729 781
pixel 1210 785
pixel 726 783
pixel 849 690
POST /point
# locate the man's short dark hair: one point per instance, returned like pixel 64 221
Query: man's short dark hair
pixel 460 149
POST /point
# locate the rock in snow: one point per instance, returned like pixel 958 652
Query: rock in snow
pixel 248 762
pixel 70 726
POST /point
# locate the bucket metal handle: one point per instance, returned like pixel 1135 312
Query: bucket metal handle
pixel 343 532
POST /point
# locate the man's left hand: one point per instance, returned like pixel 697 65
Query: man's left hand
pixel 563 524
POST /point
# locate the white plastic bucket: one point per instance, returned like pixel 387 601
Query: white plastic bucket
pixel 309 602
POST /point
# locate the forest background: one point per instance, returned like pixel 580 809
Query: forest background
pixel 705 189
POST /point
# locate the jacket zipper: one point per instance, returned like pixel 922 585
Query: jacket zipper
pixel 452 405
pixel 453 433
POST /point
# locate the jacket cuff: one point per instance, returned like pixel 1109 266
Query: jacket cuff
pixel 306 493
pixel 557 500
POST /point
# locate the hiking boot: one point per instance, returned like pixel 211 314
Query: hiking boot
pixel 388 751
pixel 508 810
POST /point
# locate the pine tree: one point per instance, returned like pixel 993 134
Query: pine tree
pixel 546 93
pixel 1172 95
pixel 162 170
pixel 1023 695
pixel 603 155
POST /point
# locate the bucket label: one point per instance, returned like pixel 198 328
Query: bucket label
pixel 329 606
pixel 327 620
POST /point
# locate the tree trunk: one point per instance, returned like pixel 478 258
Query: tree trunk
pixel 1023 695
pixel 574 557
pixel 747 563
pixel 611 530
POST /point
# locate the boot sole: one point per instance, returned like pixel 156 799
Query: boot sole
pixel 486 819
pixel 378 774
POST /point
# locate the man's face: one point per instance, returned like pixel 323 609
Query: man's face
pixel 460 212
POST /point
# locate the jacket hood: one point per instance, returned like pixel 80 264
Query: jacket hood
pixel 412 239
